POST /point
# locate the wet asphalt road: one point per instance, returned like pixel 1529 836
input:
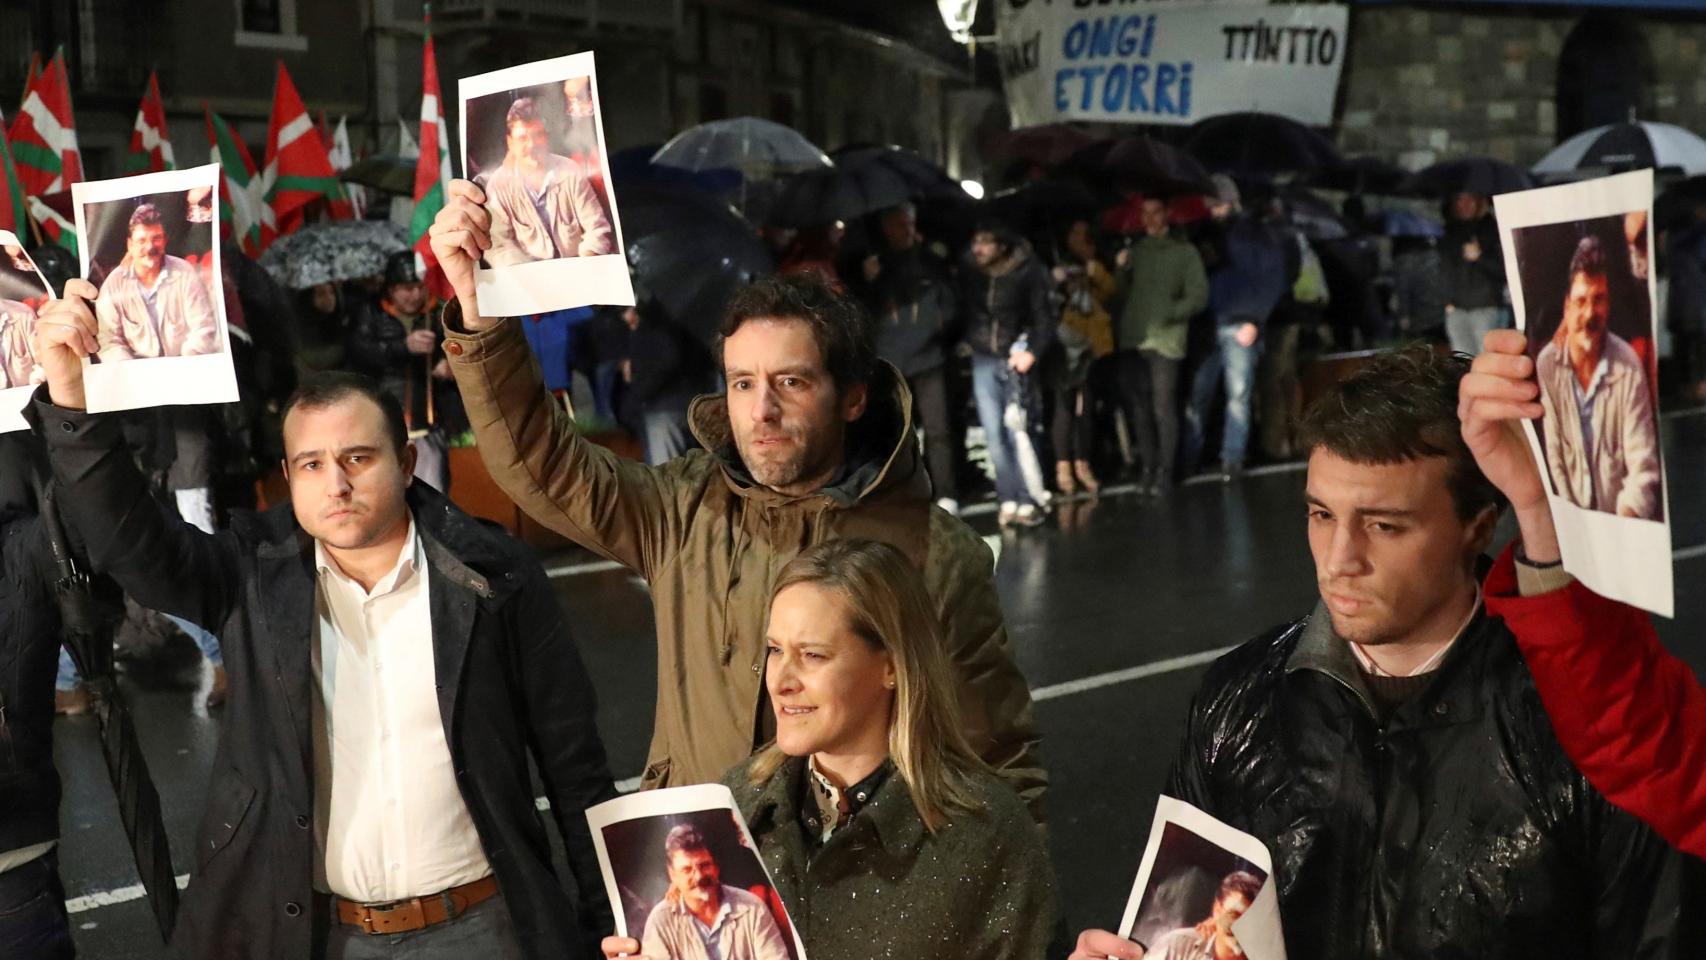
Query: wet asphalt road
pixel 1114 586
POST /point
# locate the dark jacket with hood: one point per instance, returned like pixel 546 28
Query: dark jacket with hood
pixel 912 308
pixel 1012 296
pixel 1459 829
pixel 1472 285
pixel 510 684
pixel 709 541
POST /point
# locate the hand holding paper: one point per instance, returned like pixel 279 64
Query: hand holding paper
pixel 460 235
pixel 1495 398
pixel 65 335
pixel 1102 945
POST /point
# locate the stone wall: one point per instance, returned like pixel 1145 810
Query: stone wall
pixel 1427 83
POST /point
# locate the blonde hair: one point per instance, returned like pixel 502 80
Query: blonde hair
pixel 888 608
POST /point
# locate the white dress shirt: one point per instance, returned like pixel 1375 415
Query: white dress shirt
pixel 388 815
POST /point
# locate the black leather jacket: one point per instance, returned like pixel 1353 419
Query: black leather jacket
pixel 1014 296
pixel 1457 830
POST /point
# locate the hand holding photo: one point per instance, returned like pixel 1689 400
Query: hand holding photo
pixel 680 862
pixel 1204 890
pixel 1584 296
pixel 533 141
pixel 150 246
pixel 22 292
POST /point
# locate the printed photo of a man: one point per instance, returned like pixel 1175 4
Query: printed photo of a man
pixel 543 204
pixel 154 304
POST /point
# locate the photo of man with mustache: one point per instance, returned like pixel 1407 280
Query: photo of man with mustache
pixel 542 205
pixel 701 917
pixel 154 304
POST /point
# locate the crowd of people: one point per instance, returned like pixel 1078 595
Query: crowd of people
pixel 1420 752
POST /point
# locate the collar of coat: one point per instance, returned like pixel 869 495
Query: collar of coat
pixel 890 811
pixel 1320 650
pixel 460 548
pixel 879 449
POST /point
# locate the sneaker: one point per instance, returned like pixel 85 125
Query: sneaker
pixel 71 703
pixel 1028 516
pixel 1005 515
pixel 949 504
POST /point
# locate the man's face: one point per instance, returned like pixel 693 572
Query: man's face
pixel 346 479
pixel 1466 206
pixel 1219 210
pixel 147 247
pixel 1226 910
pixel 984 249
pixel 409 298
pixel 900 228
pixel 526 141
pixel 694 877
pixel 788 418
pixel 1587 308
pixel 828 687
pixel 1155 218
pixel 1391 554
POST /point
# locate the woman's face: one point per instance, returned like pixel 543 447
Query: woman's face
pixel 831 692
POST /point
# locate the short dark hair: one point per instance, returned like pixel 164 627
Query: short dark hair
pixel 145 215
pixel 1589 258
pixel 320 390
pixel 838 323
pixel 1241 881
pixel 1402 406
pixel 684 836
pixel 1000 231
pixel 521 111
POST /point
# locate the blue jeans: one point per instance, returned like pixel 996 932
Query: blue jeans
pixel 209 644
pixel 989 380
pixel 1236 365
pixel 33 922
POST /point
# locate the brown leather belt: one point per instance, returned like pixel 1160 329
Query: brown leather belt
pixel 415 913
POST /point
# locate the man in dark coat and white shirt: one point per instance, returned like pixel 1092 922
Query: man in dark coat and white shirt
pixel 392 661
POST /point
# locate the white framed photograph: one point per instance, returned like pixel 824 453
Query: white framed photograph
pixel 533 141
pixel 679 860
pixel 1582 286
pixel 23 291
pixel 1203 889
pixel 150 245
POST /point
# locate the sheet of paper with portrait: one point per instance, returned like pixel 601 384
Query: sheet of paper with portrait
pixel 150 245
pixel 1578 258
pixel 533 140
pixel 672 856
pixel 23 290
pixel 1202 882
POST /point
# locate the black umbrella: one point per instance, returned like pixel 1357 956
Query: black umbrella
pixel 1258 146
pixel 924 180
pixel 689 250
pixel 1043 208
pixel 1313 216
pixel 1047 145
pixel 837 193
pixel 388 172
pixel 1361 175
pixel 1478 175
pixel 1155 168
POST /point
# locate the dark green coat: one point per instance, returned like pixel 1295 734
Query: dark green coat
pixel 883 886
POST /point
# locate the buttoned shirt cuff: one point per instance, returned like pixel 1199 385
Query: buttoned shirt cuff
pixel 1534 579
pixel 463 346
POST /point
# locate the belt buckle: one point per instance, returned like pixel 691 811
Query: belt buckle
pixel 368 911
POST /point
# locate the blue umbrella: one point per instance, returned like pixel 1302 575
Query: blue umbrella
pixel 1409 223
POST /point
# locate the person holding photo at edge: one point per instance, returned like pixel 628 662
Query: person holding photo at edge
pixel 1602 440
pixel 1389 749
pixel 884 833
pixel 394 664
pixel 812 440
pixel 1593 659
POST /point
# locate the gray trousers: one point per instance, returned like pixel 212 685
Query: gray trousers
pixel 484 931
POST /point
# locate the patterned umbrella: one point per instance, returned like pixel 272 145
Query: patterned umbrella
pixel 331 251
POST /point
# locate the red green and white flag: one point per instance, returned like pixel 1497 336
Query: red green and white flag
pixel 242 209
pixel 14 215
pixel 297 170
pixel 44 134
pixel 432 173
pixel 150 150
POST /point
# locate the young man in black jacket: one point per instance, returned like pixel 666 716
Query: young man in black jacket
pixel 393 662
pixel 33 922
pixel 1390 749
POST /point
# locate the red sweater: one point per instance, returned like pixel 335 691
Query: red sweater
pixel 1631 715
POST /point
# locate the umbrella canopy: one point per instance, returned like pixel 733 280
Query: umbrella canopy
pixel 690 251
pixel 837 193
pixel 634 164
pixel 1155 168
pixel 1313 216
pixel 1044 208
pixel 757 148
pixel 1628 146
pixel 1260 146
pixel 1048 145
pixel 1479 175
pixel 1408 223
pixel 336 250
pixel 389 172
pixel 1363 174
pixel 924 180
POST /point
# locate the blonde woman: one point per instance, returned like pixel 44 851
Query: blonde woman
pixel 884 833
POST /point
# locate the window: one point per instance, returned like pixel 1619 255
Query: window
pixel 269 23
